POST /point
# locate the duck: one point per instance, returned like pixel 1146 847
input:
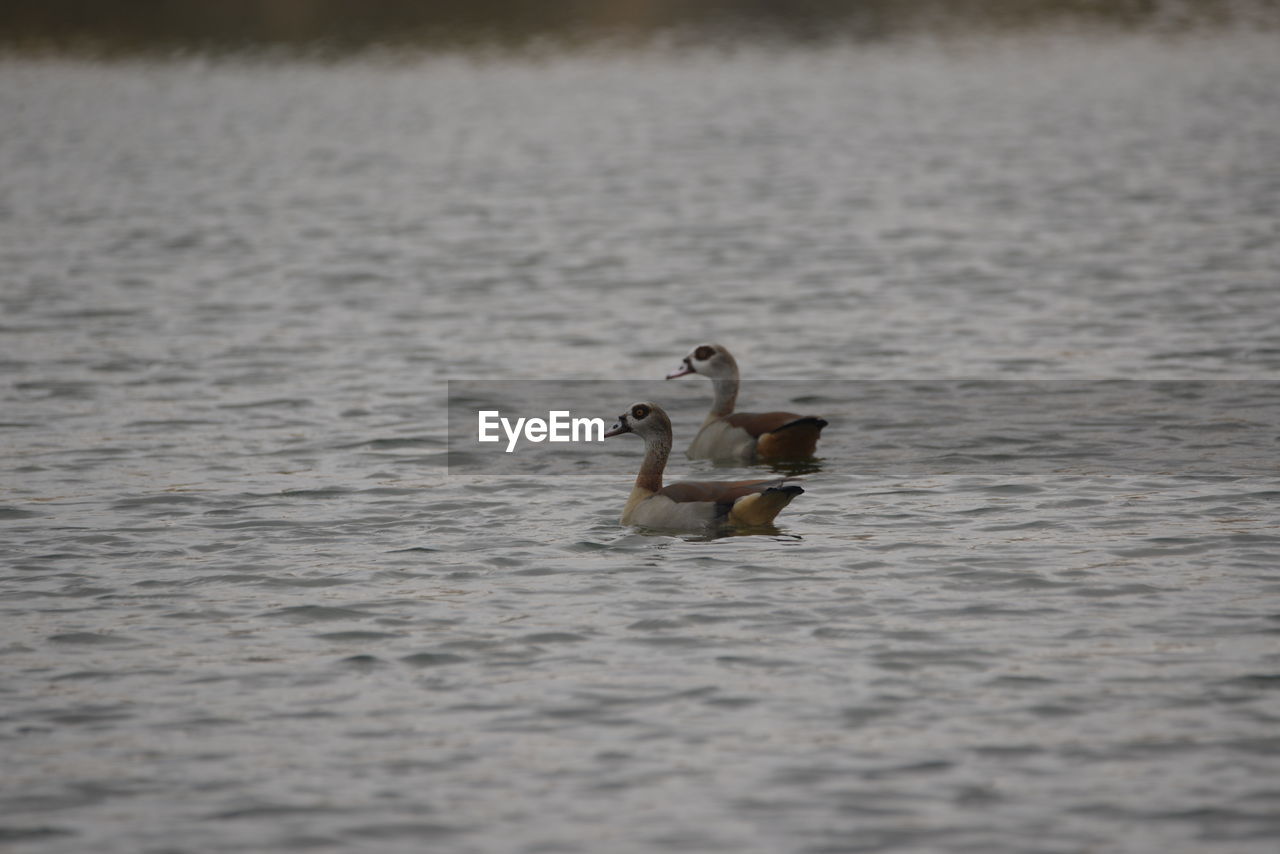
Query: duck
pixel 746 436
pixel 691 505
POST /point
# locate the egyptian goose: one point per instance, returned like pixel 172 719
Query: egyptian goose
pixel 691 504
pixel 743 435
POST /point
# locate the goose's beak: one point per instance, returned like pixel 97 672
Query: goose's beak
pixel 684 369
pixel 619 427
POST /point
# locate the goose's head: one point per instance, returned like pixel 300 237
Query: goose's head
pixel 644 419
pixel 710 360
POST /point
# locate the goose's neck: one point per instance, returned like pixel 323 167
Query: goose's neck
pixel 656 451
pixel 726 395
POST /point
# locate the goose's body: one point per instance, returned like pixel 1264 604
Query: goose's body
pixel 726 434
pixel 750 435
pixel 691 505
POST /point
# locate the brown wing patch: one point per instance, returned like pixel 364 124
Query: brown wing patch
pixel 719 492
pixel 798 438
pixel 780 434
pixel 760 509
pixel 757 423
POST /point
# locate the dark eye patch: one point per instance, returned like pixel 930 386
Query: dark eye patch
pixel 703 353
pixel 639 411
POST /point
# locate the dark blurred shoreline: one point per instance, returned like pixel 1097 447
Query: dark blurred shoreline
pixel 129 27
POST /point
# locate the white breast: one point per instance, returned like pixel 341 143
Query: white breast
pixel 719 440
pixel 658 511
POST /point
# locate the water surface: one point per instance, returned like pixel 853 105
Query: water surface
pixel 245 607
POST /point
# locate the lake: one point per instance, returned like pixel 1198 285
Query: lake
pixel 248 605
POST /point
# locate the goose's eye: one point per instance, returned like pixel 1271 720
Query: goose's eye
pixel 639 411
pixel 703 353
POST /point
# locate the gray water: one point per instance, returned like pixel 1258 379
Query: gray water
pixel 247 608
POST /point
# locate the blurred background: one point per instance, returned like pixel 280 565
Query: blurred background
pixel 128 25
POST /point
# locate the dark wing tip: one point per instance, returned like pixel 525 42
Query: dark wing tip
pixel 806 421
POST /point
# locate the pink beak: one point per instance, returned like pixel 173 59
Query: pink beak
pixel 681 371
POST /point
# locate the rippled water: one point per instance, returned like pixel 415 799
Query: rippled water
pixel 245 607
